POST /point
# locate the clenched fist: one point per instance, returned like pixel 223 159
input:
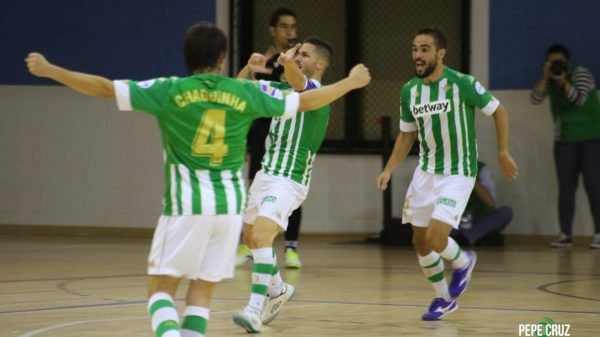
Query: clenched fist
pixel 360 76
pixel 38 65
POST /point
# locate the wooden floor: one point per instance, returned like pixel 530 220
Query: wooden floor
pixel 76 286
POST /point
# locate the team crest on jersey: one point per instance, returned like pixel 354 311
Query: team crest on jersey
pixel 146 84
pixel 269 90
pixel 479 88
pixel 431 108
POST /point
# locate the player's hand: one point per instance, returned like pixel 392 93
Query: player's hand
pixel 287 58
pixel 546 70
pixel 509 168
pixel 360 76
pixel 382 180
pixel 560 79
pixel 257 63
pixel 38 65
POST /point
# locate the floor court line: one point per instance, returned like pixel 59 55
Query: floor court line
pixel 316 303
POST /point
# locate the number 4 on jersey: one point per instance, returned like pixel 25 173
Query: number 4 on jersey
pixel 210 137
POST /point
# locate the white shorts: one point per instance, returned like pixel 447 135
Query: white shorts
pixel 195 246
pixel 273 197
pixel 433 196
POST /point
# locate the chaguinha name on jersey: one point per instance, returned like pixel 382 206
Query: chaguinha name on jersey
pixel 202 95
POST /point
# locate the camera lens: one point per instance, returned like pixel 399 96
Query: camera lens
pixel 558 67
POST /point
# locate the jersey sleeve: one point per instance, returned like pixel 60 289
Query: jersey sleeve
pixel 478 96
pixel 149 96
pixel 265 100
pixel 407 120
pixel 311 84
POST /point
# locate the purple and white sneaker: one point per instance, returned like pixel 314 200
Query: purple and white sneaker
pixel 462 276
pixel 439 308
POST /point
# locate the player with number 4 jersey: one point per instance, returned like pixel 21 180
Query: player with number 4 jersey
pixel 204 121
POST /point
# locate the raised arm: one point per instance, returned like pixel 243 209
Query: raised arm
pixel 538 94
pixel 313 99
pixel 583 84
pixel 293 75
pixel 88 84
pixel 507 164
pixel 256 64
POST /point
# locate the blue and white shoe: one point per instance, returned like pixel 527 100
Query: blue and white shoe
pixel 439 308
pixel 462 276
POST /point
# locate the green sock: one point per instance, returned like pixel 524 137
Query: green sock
pixel 165 321
pixel 195 321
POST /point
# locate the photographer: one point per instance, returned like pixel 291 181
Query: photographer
pixel 575 109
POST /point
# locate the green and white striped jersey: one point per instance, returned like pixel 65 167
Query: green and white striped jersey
pixel 443 114
pixel 204 121
pixel 292 144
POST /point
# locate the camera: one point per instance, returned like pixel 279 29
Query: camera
pixel 558 67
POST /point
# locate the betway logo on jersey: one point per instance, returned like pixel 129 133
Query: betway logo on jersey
pixel 431 108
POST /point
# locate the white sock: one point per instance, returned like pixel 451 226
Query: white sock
pixel 276 285
pixel 262 272
pixel 163 315
pixel 455 254
pixel 433 268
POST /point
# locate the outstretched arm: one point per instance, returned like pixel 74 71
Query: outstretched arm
pixel 88 84
pixel 402 146
pixel 507 164
pixel 313 99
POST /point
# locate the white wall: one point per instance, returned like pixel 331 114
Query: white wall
pixel 67 159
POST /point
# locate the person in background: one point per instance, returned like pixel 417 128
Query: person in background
pixel 575 108
pixel 482 217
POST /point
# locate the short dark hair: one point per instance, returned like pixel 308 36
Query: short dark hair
pixel 438 36
pixel 281 11
pixel 558 48
pixel 323 47
pixel 204 44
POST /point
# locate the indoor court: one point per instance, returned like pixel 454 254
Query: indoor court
pixel 80 286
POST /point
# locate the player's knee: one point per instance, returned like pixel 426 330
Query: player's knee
pixel 263 235
pixel 259 239
pixel 437 243
pixel 247 238
pixel 164 284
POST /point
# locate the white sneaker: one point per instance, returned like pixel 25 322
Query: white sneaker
pixel 273 305
pixel 248 319
pixel 595 242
